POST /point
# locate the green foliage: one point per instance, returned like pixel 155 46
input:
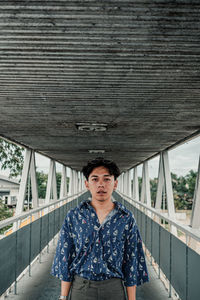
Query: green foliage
pixel 183 189
pixel 191 181
pixel 42 179
pixel 42 183
pixel 153 186
pixel 5 213
pixel 58 181
pixel 11 157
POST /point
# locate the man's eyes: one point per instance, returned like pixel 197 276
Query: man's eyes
pixel 105 179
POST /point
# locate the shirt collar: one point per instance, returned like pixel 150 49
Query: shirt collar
pixel 118 205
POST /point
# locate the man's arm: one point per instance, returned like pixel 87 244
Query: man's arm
pixel 65 287
pixel 131 292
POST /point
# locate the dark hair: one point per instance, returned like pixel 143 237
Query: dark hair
pixel 98 162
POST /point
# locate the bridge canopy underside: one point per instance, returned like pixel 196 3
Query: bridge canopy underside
pixel 132 66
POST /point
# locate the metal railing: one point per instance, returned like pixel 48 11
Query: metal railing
pixel 39 210
pixel 190 232
pixel 24 245
pixel 175 259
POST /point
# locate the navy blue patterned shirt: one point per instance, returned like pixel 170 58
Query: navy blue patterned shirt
pixel 100 251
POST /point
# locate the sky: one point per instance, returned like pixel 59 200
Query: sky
pixel 182 159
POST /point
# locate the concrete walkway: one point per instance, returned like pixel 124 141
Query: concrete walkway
pixel 42 286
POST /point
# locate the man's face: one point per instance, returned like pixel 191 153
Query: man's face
pixel 101 184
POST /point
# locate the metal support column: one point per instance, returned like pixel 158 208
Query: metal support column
pixel 169 191
pixel 135 185
pixel 129 183
pixel 160 184
pixel 34 186
pixel 195 219
pixel 82 181
pixel 63 186
pixel 164 180
pixel 122 182
pixel 29 166
pixel 119 183
pixel 145 192
pixel 51 183
pixel 125 179
pixel 79 181
pixel 70 181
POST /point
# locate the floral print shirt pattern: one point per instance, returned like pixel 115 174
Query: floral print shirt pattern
pixel 100 251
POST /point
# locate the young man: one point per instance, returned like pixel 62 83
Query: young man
pixel 100 249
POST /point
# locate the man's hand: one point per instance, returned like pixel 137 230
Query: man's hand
pixel 131 292
pixel 65 287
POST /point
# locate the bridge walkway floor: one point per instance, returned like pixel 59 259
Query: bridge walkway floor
pixel 42 286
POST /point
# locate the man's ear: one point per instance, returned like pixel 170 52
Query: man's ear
pixel 115 184
pixel 87 184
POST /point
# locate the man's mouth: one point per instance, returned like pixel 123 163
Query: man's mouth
pixel 101 192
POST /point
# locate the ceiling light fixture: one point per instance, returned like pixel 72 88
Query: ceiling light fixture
pixel 91 126
pixel 96 151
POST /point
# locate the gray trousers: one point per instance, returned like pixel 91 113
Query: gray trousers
pixel 110 289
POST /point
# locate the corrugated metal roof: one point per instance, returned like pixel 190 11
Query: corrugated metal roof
pixel 133 65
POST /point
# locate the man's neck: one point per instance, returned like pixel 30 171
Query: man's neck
pixel 102 206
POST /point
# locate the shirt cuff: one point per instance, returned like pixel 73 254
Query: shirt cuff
pixel 62 277
pixel 139 282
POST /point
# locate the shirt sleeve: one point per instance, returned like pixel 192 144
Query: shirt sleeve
pixel 64 254
pixel 134 265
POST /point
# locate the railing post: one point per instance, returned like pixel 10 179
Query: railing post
pixel 15 285
pixel 48 233
pixel 40 239
pixel 170 267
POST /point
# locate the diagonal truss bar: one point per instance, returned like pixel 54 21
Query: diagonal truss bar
pixel 145 192
pixel 195 219
pixel 34 186
pixel 63 186
pixel 51 183
pixel 161 183
pixel 135 185
pixel 168 185
pixel 164 181
pixel 28 168
pixel 23 183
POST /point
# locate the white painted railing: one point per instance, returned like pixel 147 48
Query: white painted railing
pixel 39 210
pixel 189 231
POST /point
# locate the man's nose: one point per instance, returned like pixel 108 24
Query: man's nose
pixel 101 182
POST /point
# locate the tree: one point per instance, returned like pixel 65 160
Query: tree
pixel 11 157
pixel 5 213
pixel 183 189
pixel 153 186
pixel 42 179
pixel 42 183
pixel 191 181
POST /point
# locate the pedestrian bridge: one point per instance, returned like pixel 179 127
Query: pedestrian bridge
pixel 27 253
pixel 118 79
